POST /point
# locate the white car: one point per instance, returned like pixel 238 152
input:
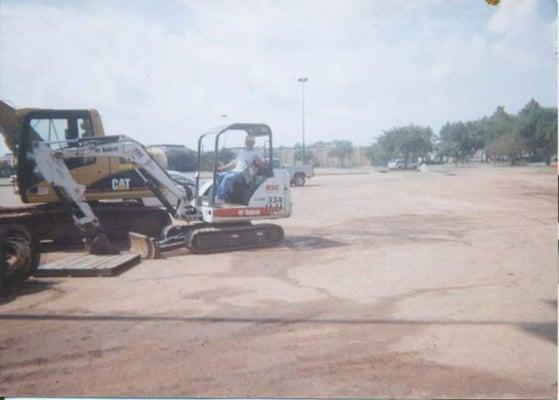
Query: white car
pixel 298 174
pixel 396 165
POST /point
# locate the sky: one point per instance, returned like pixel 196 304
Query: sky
pixel 168 71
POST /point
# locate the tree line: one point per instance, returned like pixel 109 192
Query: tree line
pixel 529 135
pixel 185 160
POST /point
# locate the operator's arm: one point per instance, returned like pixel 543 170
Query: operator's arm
pixel 227 167
pixel 259 160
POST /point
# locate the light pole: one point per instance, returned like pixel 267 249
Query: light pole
pixel 224 116
pixel 303 81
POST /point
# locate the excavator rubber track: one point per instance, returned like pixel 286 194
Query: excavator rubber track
pixel 230 238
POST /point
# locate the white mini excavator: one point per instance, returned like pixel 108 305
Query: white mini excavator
pixel 208 227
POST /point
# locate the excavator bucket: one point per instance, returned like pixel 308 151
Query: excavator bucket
pixel 143 245
pixel 101 245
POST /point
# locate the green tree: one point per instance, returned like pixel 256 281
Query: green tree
pixel 341 150
pixel 498 124
pixel 538 128
pixel 460 140
pixel 181 159
pixel 457 140
pixel 309 155
pixel 376 155
pixel 477 134
pixel 414 142
pixel 224 156
pixel 408 142
pixel 508 146
pixel 387 145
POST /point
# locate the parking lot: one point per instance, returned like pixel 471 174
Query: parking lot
pixel 407 284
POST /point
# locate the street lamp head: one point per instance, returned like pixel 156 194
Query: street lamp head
pixel 303 79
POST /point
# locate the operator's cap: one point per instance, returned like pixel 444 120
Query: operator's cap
pixel 249 138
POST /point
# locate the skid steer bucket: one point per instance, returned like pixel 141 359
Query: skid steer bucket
pixel 143 245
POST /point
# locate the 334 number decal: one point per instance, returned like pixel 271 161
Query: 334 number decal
pixel 274 203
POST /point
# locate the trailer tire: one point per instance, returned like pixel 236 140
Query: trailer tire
pixel 35 254
pixel 3 264
pixel 20 255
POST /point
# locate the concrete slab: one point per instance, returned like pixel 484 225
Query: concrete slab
pixel 405 285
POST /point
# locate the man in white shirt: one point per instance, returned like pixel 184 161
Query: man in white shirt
pixel 245 158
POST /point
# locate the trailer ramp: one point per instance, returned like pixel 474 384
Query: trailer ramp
pixel 88 265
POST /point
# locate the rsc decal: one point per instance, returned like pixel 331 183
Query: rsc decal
pixel 272 188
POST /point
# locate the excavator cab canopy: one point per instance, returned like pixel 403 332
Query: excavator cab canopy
pixel 256 130
pixel 59 128
pixel 14 121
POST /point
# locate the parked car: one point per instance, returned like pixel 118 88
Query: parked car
pixel 183 178
pixel 186 179
pixel 298 174
pixel 399 165
pixel 178 157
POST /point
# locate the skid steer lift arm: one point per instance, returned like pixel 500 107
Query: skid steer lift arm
pixel 51 165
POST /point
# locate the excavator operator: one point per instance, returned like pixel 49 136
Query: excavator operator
pixel 234 171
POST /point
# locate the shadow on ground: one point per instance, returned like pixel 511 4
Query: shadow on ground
pixel 552 303
pixel 291 242
pixel 10 293
pixel 545 330
pixel 310 243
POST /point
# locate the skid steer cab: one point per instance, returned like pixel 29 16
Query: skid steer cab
pixel 236 180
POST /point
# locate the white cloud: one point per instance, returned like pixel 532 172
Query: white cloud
pixel 511 14
pixel 166 75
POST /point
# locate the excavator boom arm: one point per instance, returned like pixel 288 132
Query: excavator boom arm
pixel 131 151
pixel 50 164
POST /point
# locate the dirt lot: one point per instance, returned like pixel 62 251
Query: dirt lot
pixel 434 284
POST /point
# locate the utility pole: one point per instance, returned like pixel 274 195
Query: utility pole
pixel 224 116
pixel 303 80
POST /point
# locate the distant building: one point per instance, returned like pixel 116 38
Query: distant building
pixel 322 158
